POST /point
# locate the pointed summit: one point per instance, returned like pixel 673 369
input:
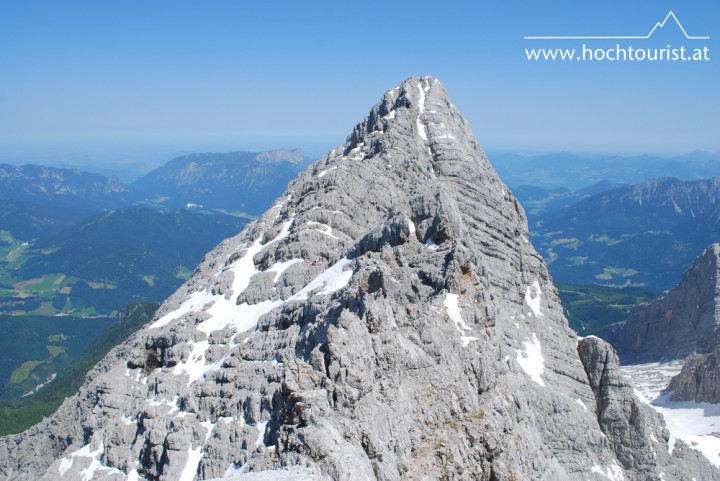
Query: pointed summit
pixel 661 26
pixel 386 319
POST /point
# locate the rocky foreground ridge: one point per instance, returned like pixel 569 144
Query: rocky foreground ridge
pixel 387 319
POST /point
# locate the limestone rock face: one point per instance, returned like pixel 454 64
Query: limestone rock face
pixel 699 379
pixel 387 319
pixel 630 427
pixel 682 322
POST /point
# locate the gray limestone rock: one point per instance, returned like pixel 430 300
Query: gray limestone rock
pixel 631 426
pixel 683 321
pixel 699 379
pixel 386 319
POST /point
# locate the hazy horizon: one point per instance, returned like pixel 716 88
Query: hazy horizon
pixel 116 79
pixel 130 162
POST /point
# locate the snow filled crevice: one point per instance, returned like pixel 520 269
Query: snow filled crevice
pixel 261 427
pixel 331 280
pixel 422 129
pixel 191 465
pixel 531 359
pixel 195 455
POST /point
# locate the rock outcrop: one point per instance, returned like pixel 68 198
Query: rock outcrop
pixel 387 319
pixel 629 429
pixel 699 379
pixel 683 321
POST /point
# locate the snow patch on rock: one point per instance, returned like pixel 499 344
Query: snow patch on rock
pixel 533 301
pixel 531 360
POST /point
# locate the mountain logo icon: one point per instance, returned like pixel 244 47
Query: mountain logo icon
pixel 658 26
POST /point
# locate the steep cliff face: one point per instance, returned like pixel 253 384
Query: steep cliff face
pixel 699 379
pixel 683 321
pixel 386 319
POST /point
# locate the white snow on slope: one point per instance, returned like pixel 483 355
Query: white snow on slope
pixel 692 422
pixel 453 310
pixel 134 476
pixel 243 269
pixel 194 366
pixel 190 469
pixel 612 472
pixel 430 244
pixel 84 452
pixel 531 360
pixel 322 174
pixel 389 116
pixel 534 301
pixel 333 279
pixel 323 228
pixel 279 267
pixel 225 311
pixel 422 130
pixel 411 228
pixel 357 150
pixel 246 316
pixel 195 455
pixel 444 136
pixel 260 441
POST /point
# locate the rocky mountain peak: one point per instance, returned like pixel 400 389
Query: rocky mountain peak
pixel 683 321
pixel 386 319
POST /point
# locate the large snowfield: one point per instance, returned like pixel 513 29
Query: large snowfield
pixel 698 424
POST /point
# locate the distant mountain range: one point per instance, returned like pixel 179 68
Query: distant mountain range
pixel 57 187
pixel 78 243
pixel 645 234
pixel 26 220
pixel 235 181
pixel 577 171
pixel 537 200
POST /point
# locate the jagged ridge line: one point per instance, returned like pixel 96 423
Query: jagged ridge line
pixel 635 37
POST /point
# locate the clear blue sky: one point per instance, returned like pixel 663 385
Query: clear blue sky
pixel 81 77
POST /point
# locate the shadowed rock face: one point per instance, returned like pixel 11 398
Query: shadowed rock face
pixel 699 379
pixel 387 319
pixel 682 322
